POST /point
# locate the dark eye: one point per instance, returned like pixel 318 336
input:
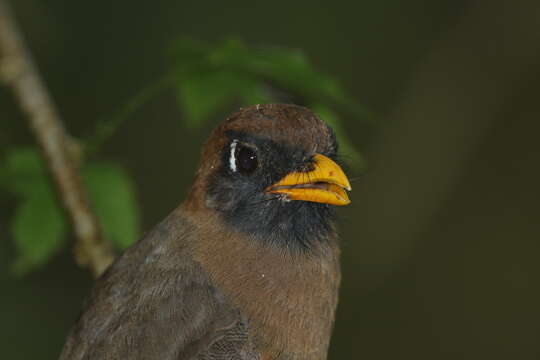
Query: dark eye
pixel 242 159
pixel 246 160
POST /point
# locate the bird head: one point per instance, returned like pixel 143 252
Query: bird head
pixel 270 171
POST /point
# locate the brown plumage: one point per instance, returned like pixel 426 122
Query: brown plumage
pixel 247 268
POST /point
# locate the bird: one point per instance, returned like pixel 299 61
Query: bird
pixel 246 268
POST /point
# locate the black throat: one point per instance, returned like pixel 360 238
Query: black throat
pixel 298 226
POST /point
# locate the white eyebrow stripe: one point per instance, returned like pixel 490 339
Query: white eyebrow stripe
pixel 232 158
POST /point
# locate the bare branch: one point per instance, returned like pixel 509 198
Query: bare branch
pixel 17 69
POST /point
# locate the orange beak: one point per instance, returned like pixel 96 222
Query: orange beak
pixel 326 184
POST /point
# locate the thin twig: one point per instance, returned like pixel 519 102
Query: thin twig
pixel 105 128
pixel 18 71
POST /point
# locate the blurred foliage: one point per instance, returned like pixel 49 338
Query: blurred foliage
pixel 39 225
pixel 208 78
pixel 208 81
pixel 112 194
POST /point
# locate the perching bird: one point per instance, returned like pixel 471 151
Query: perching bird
pixel 247 268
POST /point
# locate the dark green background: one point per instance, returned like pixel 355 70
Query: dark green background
pixel 441 242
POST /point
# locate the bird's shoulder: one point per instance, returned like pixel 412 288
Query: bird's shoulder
pixel 156 302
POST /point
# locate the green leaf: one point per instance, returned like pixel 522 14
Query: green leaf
pixel 24 168
pixel 39 229
pixel 112 194
pixel 286 68
pixel 204 94
pixel 347 150
pixel 39 226
pixel 291 70
pixel 209 78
